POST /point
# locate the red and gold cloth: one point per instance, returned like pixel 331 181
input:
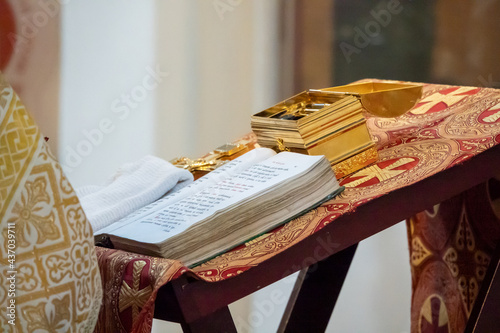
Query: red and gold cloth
pixel 448 126
pixel 130 283
pixel 451 245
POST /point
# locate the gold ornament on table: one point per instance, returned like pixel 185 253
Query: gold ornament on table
pixel 216 158
pixel 280 146
pixel 331 122
pixel 199 164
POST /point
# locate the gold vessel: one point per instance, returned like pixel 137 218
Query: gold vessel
pixel 330 121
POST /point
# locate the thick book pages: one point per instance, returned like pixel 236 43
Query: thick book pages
pixel 229 206
pixel 227 170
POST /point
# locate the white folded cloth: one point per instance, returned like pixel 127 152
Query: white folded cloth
pixel 134 185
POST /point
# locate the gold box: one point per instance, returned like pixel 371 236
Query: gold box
pixel 330 122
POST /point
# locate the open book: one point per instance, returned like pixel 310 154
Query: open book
pixel 240 200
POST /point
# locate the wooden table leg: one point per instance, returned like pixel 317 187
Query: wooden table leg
pixel 486 311
pixel 315 293
pixel 219 322
pixel 175 306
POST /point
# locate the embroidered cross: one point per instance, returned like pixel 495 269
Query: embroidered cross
pixel 133 296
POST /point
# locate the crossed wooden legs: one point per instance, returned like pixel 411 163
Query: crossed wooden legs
pixel 315 292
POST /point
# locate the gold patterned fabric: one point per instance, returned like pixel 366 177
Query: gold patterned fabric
pixel 49 279
pixel 450 249
pixel 448 126
pixel 130 283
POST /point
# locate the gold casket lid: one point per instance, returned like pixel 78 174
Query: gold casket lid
pixel 382 99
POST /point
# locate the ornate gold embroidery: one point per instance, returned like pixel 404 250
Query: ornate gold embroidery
pixel 494 116
pixel 84 299
pixel 31 215
pixel 449 99
pixel 59 266
pixel 18 137
pixel 64 184
pixel 381 174
pixel 26 277
pixel 78 222
pixel 54 317
pixel 79 254
pixel 418 252
pixel 355 162
pixel 464 237
pixel 482 260
pixel 35 197
pixel 450 257
pixel 468 290
pixel 133 296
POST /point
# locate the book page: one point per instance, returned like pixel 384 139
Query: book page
pixel 227 170
pixel 181 215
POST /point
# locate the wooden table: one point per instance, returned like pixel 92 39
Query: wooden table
pixel 324 258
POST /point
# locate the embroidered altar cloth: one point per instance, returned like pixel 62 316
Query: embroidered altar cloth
pixel 449 125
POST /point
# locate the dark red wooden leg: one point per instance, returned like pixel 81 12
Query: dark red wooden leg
pixel 174 305
pixel 219 322
pixel 315 293
pixel 486 311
